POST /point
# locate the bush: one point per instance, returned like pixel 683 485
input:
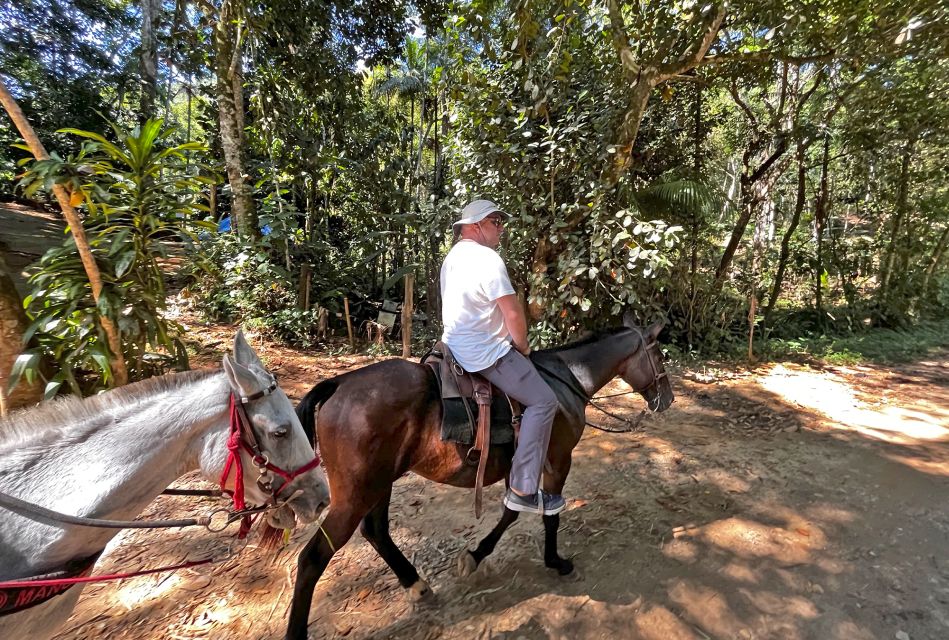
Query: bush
pixel 136 194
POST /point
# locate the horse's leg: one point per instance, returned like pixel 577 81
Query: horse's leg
pixel 552 559
pixel 468 561
pixel 375 529
pixel 555 477
pixel 336 530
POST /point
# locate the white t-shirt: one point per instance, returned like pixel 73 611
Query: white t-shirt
pixel 473 277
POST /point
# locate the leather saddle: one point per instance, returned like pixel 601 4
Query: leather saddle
pixel 456 384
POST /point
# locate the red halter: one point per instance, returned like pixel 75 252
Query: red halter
pixel 242 437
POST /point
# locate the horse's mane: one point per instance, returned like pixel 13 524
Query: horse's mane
pixel 596 336
pixel 55 415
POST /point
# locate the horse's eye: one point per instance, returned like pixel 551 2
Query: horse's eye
pixel 280 432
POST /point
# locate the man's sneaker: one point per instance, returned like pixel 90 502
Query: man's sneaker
pixel 544 503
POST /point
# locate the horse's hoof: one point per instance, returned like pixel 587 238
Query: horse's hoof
pixel 563 567
pixel 466 564
pixel 420 592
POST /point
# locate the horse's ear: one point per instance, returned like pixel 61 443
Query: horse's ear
pixel 629 320
pixel 242 380
pixel 243 352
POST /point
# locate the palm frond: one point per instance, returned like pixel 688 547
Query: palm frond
pixel 683 195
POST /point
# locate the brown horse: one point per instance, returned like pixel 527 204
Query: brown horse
pixel 378 422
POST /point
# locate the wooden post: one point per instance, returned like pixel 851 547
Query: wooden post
pixel 303 295
pixel 407 316
pixel 752 311
pixel 349 322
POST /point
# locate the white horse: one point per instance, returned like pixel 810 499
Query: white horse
pixel 109 456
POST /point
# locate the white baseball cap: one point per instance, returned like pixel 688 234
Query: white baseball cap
pixel 475 212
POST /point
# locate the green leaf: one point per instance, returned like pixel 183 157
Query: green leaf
pixel 52 388
pixel 398 275
pixel 26 364
pixel 102 360
pixel 125 261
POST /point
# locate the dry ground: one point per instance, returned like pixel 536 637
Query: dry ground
pixel 26 233
pixel 787 502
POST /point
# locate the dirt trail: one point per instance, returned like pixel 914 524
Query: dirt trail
pixel 26 233
pixel 786 503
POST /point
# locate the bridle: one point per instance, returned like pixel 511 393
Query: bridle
pixel 657 375
pixel 242 436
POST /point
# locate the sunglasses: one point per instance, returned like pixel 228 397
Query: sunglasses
pixel 497 222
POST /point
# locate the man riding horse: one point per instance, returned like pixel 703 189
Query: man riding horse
pixel 485 328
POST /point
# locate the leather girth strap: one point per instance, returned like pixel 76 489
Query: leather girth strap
pixel 482 445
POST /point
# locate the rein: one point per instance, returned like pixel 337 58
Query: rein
pixel 587 400
pixel 48 516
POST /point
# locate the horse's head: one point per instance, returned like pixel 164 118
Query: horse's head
pixel 280 439
pixel 644 371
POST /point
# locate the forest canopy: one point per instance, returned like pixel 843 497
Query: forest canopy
pixel 743 171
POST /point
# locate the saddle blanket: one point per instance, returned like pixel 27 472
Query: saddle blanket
pixel 457 428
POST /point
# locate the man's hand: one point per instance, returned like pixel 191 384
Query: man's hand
pixel 515 322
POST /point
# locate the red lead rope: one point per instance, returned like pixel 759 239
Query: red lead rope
pixel 234 442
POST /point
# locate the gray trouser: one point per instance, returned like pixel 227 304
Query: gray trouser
pixel 516 376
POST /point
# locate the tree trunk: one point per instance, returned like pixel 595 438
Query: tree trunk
pixel 788 235
pixel 148 59
pixel 746 212
pixel 625 139
pixel 694 230
pixel 843 272
pixel 820 222
pixel 13 323
pixel 749 201
pixel 644 75
pixel 119 371
pixel 408 306
pixel 938 252
pixel 228 43
pixel 901 200
pixel 543 255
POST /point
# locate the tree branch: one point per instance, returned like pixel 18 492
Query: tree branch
pixel 766 165
pixel 621 41
pixel 767 54
pixel 113 337
pixel 807 94
pixel 733 89
pixel 691 59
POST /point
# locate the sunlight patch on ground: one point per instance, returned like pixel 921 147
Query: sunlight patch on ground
pixel 751 540
pixel 829 395
pixel 138 591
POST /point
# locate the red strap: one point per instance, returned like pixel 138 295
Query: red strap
pixel 234 443
pixel 19 595
pixel 101 578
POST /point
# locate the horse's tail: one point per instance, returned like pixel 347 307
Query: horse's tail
pixel 310 404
